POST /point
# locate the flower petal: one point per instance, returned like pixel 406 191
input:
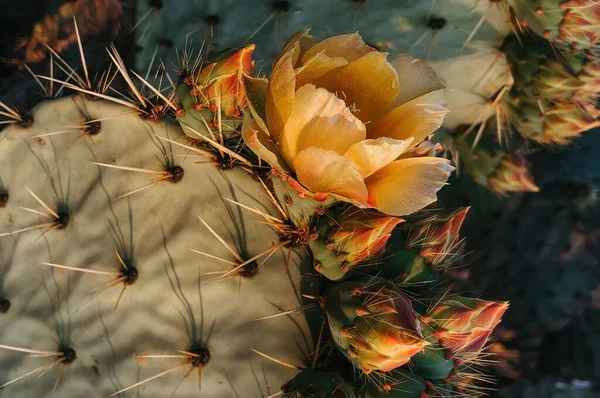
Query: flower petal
pixel 326 171
pixel 280 95
pixel 417 118
pixel 299 43
pixel 371 155
pixel 321 120
pixel 256 92
pixel 407 185
pixel 259 142
pixel 239 62
pixel 370 84
pixel 351 47
pixel 318 66
pixel 416 78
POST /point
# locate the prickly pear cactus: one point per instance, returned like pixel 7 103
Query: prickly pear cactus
pixel 166 250
pixel 119 213
pixel 460 39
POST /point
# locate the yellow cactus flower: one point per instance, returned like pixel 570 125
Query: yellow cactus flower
pixel 336 118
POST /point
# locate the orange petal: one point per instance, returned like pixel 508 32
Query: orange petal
pixel 350 47
pixel 326 171
pixel 320 120
pixel 299 43
pixel 370 84
pixel 259 142
pixel 417 118
pixel 316 67
pixel 407 185
pixel 416 78
pixel 280 95
pixel 256 91
pixel 371 155
pixel 239 62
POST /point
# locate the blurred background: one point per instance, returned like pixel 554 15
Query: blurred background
pixel 539 250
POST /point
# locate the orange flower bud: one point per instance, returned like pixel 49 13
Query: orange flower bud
pixel 512 176
pixel 466 323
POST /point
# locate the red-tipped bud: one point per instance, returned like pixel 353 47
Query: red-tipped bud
pixel 440 238
pixel 464 324
pixel 512 176
pixel 221 83
pixel 362 234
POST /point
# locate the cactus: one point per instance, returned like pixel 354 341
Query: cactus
pixel 494 167
pixel 269 172
pixel 172 239
pixel 459 40
pixel 568 23
pixel 318 384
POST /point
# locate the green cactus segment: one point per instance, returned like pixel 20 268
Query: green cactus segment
pixel 350 239
pixel 423 248
pixel 541 16
pixel 554 93
pixel 556 125
pixel 407 267
pixel 196 123
pixel 434 31
pixel 493 167
pixel 211 96
pixel 483 161
pixel 325 260
pixel 432 364
pixel 147 246
pixel 300 210
pixel 541 71
pixel 571 22
pixel 317 384
pixel 397 384
pixel 373 323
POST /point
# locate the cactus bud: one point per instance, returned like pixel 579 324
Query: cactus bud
pixel 466 323
pixel 221 83
pixel 490 166
pixel 215 95
pixel 357 237
pixel 439 238
pixel 387 338
pixel 512 176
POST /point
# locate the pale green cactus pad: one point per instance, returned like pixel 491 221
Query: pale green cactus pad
pixel 174 302
pixel 460 38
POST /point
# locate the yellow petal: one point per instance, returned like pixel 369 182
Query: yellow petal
pixel 259 142
pixel 298 44
pixel 350 47
pixel 417 118
pixel 325 171
pixel 256 92
pixel 407 185
pixel 416 78
pixel 370 84
pixel 321 120
pixel 371 155
pixel 317 67
pixel 280 95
